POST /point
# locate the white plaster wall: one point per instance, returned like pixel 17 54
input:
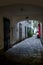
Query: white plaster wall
pixel 24 23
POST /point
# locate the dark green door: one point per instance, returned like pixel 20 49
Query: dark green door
pixel 20 31
pixel 25 31
pixel 6 33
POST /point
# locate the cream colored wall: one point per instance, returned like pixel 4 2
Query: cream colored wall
pixel 42 32
pixel 15 15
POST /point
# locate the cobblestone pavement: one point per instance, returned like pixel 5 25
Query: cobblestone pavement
pixel 29 52
pixel 31 46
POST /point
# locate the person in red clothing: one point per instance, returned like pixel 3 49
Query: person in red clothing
pixel 38 35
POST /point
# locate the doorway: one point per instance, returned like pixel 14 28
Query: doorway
pixel 25 31
pixel 20 31
pixel 6 24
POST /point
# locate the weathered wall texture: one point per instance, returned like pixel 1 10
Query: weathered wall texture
pixel 16 14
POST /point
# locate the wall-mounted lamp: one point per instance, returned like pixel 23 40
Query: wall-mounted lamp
pixel 27 18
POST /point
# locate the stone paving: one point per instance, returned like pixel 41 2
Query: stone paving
pixel 29 51
pixel 29 47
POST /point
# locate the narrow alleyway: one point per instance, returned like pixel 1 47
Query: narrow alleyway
pixel 26 51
